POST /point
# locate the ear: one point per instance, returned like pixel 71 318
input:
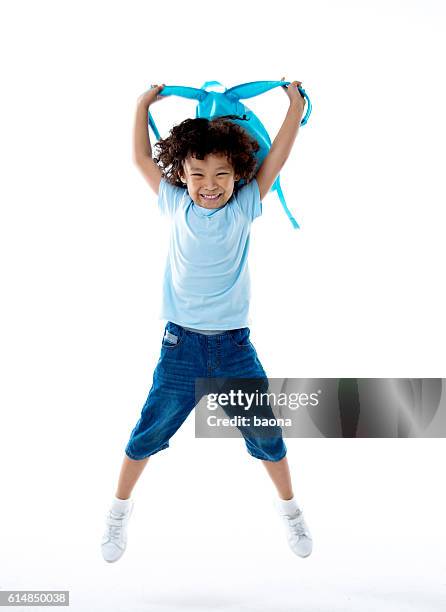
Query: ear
pixel 181 173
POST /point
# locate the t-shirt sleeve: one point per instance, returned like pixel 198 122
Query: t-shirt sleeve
pixel 169 197
pixel 248 198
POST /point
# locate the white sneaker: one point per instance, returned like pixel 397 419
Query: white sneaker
pixel 114 540
pixel 297 532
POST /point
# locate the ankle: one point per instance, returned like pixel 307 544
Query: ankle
pixel 287 505
pixel 120 505
pixel 287 496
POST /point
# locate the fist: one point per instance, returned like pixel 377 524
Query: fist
pixel 294 94
pixel 151 96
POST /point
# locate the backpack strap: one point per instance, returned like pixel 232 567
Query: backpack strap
pixel 255 88
pixel 153 126
pixel 239 92
pixel 278 188
pixel 178 90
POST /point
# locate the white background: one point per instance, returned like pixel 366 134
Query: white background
pixel 357 291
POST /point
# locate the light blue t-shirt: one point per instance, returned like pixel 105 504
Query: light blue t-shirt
pixel 206 280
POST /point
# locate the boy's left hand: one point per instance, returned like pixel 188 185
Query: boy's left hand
pixel 294 94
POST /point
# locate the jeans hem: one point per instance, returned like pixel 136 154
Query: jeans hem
pixel 145 456
pixel 266 458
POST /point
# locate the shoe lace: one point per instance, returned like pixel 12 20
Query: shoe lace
pixel 114 525
pixel 296 523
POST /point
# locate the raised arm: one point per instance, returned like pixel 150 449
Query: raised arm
pixel 283 142
pixel 142 149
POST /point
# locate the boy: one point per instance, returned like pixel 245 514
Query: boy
pixel 206 291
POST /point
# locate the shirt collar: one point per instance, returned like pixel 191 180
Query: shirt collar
pixel 205 212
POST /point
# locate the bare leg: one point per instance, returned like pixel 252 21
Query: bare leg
pixel 130 472
pixel 279 473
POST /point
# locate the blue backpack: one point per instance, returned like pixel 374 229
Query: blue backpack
pixel 216 104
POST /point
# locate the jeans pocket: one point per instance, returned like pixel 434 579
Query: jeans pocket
pixel 173 336
pixel 240 337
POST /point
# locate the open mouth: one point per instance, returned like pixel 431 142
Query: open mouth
pixel 211 197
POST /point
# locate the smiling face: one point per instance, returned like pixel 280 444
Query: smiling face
pixel 210 181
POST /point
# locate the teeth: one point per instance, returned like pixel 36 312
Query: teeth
pixel 209 197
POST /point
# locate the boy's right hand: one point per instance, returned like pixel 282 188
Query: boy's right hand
pixel 151 96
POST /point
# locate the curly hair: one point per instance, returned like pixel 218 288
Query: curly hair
pixel 200 137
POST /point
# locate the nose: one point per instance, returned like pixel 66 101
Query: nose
pixel 211 186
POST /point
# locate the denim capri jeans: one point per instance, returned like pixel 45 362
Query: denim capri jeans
pixel 185 356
